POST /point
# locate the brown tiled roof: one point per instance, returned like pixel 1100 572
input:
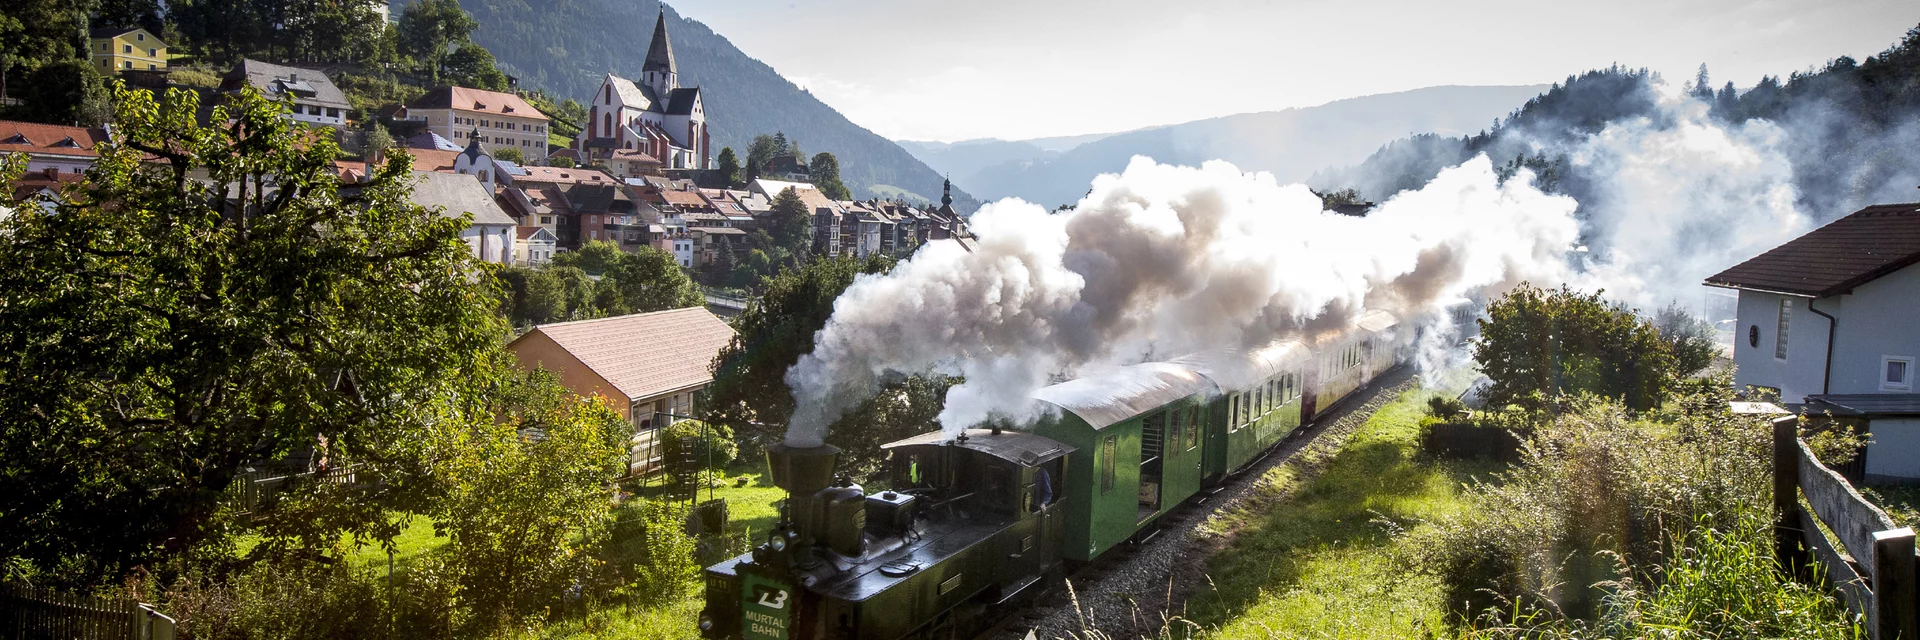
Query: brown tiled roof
pixel 432 159
pixel 645 354
pixel 1833 259
pixel 684 199
pixel 479 100
pixel 28 137
pixel 567 175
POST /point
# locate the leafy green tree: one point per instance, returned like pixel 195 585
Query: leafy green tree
pixel 528 490
pixel 510 154
pixel 534 295
pixel 428 28
pixel 791 222
pixel 379 142
pixel 749 376
pixel 651 280
pixel 560 161
pixel 1536 345
pixel 1690 339
pixel 472 66
pixel 763 148
pixel 127 14
pixel 594 256
pixel 729 167
pixel 162 333
pixel 824 171
pixel 39 32
pixel 68 92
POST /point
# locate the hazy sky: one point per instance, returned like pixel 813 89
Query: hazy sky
pixel 958 69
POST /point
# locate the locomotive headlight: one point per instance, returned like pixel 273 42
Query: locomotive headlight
pixel 777 542
pixel 706 622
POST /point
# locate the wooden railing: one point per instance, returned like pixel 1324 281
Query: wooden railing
pixel 35 612
pixel 1872 567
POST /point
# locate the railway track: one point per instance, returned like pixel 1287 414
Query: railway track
pixel 1128 593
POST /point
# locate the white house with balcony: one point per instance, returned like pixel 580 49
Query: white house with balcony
pixel 1831 321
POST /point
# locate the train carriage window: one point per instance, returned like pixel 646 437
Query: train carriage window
pixel 1174 422
pixel 1107 448
pixel 1193 427
pixel 1259 404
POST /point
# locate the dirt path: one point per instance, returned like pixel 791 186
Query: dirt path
pixel 1128 593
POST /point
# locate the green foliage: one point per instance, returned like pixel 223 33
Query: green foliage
pixel 287 31
pixel 368 93
pixel 195 77
pixel 1537 344
pixel 824 172
pixel 524 496
pixel 160 338
pixel 1688 337
pixel 1446 408
pixel 712 444
pixel 429 28
pixel 560 161
pixel 510 154
pixel 34 33
pixel 472 66
pixel 378 143
pixel 749 387
pixel 729 167
pixel 68 92
pixel 790 224
pixel 637 282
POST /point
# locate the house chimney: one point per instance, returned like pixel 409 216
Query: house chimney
pixel 53 173
pixel 293 77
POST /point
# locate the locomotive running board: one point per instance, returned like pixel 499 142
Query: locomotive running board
pixel 1017 589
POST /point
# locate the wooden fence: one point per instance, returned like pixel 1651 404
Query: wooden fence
pixel 1872 567
pixel 252 488
pixel 34 613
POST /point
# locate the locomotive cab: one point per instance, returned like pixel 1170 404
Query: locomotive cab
pixel 970 522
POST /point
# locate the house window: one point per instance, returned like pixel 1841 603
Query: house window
pixel 127 65
pixel 126 48
pixel 333 113
pixel 1107 448
pixel 153 67
pixel 1780 337
pixel 140 36
pixel 1896 373
pixel 153 53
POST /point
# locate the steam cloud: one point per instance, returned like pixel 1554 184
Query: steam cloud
pixel 1161 260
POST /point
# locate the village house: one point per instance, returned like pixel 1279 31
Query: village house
pixel 130 49
pixel 499 120
pixel 655 116
pixel 534 245
pixel 50 147
pixel 491 234
pixel 315 99
pixel 1826 321
pixel 651 367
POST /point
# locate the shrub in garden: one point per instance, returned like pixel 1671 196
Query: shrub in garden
pixel 712 445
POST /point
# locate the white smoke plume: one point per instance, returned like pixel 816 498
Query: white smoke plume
pixel 1164 260
pixel 1161 260
pixel 1680 198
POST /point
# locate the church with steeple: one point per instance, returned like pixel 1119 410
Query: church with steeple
pixel 655 116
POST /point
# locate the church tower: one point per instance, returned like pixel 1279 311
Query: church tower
pixel 659 72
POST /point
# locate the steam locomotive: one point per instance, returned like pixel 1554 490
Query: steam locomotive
pixel 977 523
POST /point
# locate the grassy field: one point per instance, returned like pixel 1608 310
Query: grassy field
pixel 1320 563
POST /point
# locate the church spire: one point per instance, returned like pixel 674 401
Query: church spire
pixel 660 53
pixel 946 193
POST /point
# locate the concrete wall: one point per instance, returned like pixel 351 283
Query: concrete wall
pixel 536 350
pixel 1878 320
pixel 1895 452
pixel 1799 375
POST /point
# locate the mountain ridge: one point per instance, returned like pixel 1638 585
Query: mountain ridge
pixel 1336 133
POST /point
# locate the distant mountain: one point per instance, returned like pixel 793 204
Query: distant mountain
pixel 566 46
pixel 1291 144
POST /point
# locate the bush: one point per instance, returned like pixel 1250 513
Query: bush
pixel 647 558
pixel 1597 506
pixel 1447 408
pixel 712 446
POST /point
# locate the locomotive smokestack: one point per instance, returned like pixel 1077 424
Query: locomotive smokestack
pixel 801 471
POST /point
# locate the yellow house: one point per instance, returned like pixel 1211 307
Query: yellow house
pixel 132 49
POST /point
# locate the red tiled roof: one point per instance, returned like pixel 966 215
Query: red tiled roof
pixel 29 137
pixel 683 198
pixel 646 354
pixel 1833 259
pixel 32 182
